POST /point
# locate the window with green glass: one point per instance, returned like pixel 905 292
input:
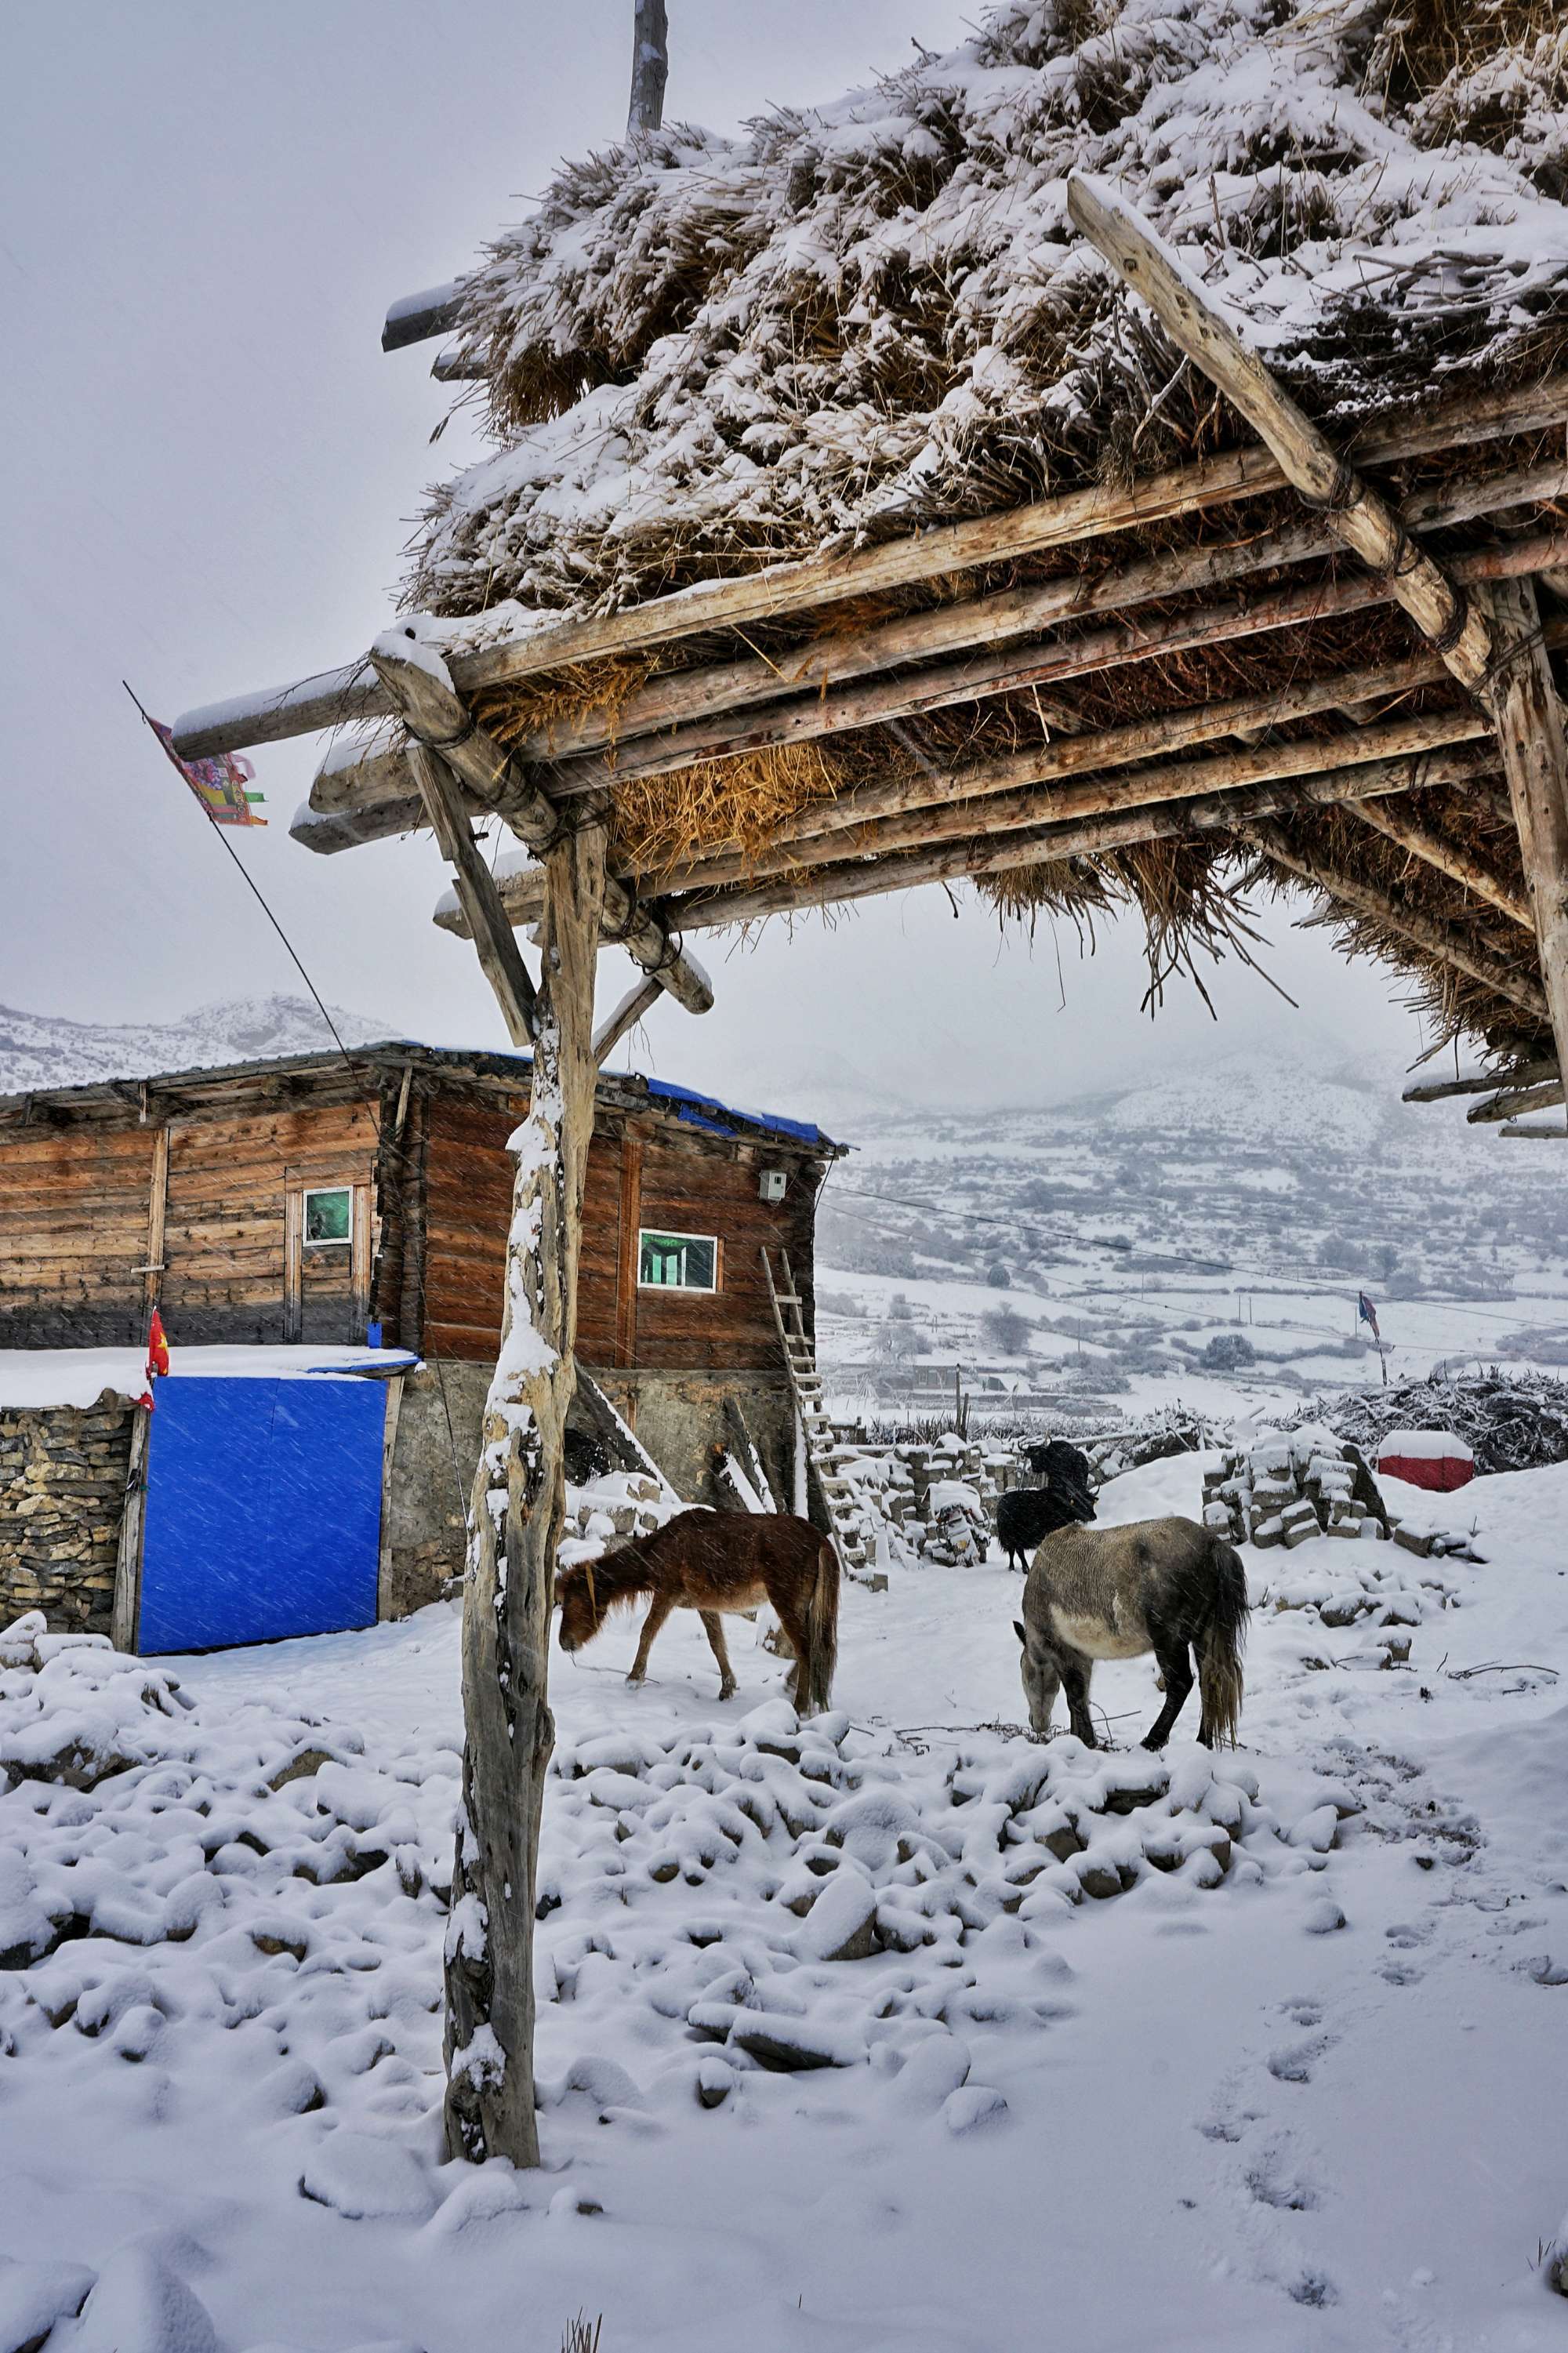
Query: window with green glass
pixel 676 1261
pixel 329 1217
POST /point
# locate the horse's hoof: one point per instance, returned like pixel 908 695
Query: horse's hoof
pixel 726 1690
pixel 635 1682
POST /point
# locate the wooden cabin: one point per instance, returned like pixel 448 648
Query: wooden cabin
pixel 328 1200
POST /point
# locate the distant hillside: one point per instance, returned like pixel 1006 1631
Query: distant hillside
pixel 43 1049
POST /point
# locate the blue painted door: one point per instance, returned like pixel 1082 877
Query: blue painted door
pixel 263 1512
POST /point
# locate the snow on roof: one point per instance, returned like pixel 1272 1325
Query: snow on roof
pixel 705 351
pixel 79 1376
pixel 689 1103
pixel 1424 1446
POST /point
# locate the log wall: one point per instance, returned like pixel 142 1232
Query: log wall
pixel 74 1211
pixel 80 1227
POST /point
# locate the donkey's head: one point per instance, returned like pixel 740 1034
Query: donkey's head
pixel 1065 1469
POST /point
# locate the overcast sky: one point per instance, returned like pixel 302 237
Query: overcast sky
pixel 211 471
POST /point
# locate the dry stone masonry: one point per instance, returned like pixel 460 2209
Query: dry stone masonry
pixel 63 1471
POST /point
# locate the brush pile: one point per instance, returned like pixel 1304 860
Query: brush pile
pixel 1511 1421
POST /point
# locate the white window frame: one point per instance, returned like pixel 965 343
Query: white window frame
pixel 689 1290
pixel 325 1241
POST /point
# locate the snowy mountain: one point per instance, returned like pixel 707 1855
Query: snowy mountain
pixel 43 1049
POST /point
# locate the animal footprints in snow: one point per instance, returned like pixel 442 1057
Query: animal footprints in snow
pixel 1293 2062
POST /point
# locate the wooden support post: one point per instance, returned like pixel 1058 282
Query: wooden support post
pixel 495 941
pixel 1529 719
pixel 157 1213
pixel 126 1612
pixel 627 1015
pixel 515 1526
pixel 650 67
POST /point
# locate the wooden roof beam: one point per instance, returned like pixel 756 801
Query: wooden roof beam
pixel 982 852
pixel 494 939
pixel 416 678
pixel 1002 797
pixel 332 697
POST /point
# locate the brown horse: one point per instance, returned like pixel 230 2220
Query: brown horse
pixel 710 1562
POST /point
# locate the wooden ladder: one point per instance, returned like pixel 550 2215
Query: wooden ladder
pixel 800 1362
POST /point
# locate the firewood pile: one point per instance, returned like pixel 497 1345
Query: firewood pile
pixel 1510 1421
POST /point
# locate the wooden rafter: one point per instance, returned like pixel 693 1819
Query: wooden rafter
pixel 492 935
pixel 1374 760
pixel 1445 942
pixel 333 698
pixel 864 878
pixel 1434 849
pixel 1491 643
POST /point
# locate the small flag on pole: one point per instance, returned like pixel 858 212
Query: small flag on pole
pixel 1367 1314
pixel 157 1348
pixel 220 785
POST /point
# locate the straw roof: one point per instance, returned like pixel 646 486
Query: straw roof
pixel 701 356
pixel 699 352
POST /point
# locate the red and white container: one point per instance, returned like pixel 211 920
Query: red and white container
pixel 1434 1459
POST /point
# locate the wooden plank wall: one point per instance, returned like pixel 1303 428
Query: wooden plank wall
pixel 74 1210
pixel 468 1209
pixel 225 1223
pixel 707 1193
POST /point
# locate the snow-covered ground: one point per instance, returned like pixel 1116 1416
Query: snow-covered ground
pixel 1193 2111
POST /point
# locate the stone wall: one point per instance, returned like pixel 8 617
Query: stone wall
pixel 62 1492
pixel 678 1416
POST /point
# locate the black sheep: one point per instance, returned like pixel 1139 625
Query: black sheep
pixel 1027 1515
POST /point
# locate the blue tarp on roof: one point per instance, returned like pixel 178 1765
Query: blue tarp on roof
pixel 698 1110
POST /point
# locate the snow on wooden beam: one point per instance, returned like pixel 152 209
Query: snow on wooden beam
pixel 1509 1102
pixel 1354 511
pixel 1478 1081
pixel 416 318
pixel 1539 1130
pixel 796 586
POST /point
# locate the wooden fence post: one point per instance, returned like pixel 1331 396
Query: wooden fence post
pixel 514 1527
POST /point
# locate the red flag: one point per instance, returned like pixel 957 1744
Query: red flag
pixel 157 1348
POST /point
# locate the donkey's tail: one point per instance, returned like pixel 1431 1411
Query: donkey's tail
pixel 1219 1652
pixel 819 1656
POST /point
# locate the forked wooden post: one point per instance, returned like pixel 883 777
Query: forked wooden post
pixel 515 1524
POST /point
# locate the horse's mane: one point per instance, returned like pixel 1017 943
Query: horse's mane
pixel 617 1579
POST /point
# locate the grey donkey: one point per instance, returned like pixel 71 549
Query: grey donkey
pixel 1166 1586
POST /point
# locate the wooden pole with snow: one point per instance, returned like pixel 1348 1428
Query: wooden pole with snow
pixel 650 67
pixel 515 1520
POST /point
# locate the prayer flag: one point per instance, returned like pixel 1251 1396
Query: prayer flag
pixel 1367 1314
pixel 218 784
